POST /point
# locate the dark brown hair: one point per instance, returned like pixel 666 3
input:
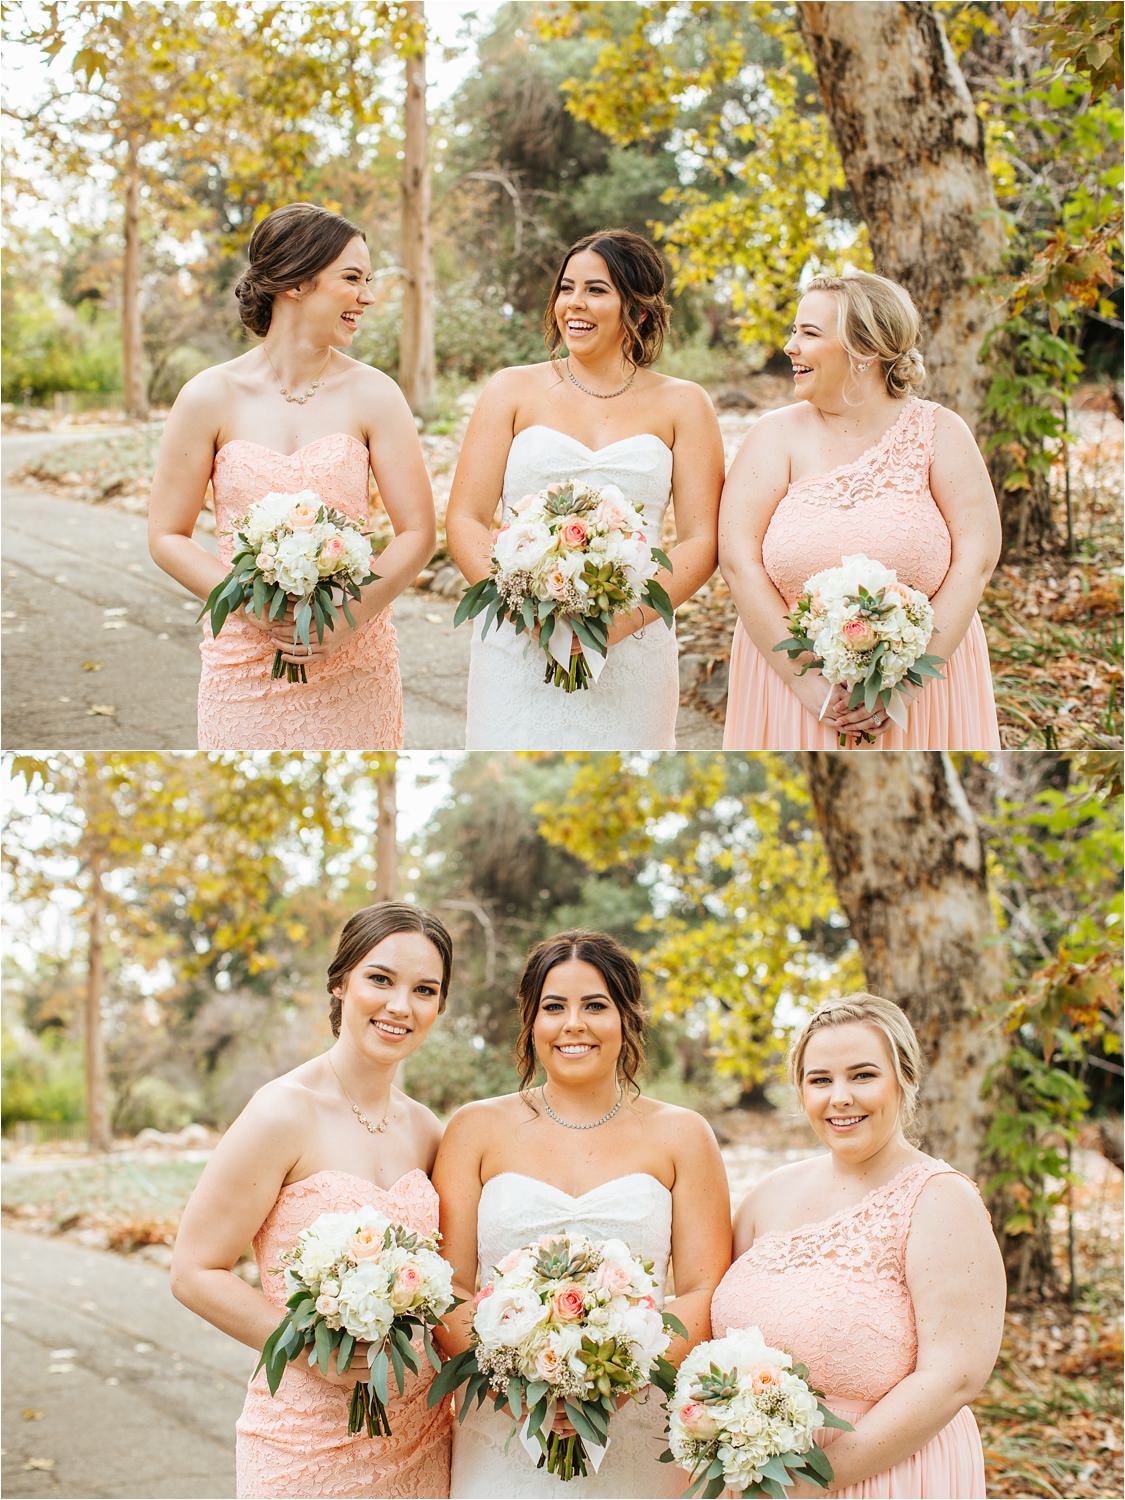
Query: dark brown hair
pixel 369 926
pixel 622 979
pixel 637 273
pixel 287 249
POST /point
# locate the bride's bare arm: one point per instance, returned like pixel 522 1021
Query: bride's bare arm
pixel 697 483
pixel 479 481
pixel 456 1176
pixel 701 1232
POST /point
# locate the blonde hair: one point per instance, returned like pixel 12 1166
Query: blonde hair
pixel 888 1018
pixel 876 319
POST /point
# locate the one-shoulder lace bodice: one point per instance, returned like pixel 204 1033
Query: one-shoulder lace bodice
pixel 296 1443
pixel 633 704
pixel 834 1293
pixel 880 504
pixel 353 698
pixel 513 1211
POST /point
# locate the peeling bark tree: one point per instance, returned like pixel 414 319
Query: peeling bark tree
pixel 912 149
pixel 909 868
pixel 132 355
pixel 386 834
pixel 416 362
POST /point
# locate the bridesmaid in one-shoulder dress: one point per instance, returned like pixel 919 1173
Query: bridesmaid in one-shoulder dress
pixel 296 414
pixel 875 1267
pixel 332 1135
pixel 858 465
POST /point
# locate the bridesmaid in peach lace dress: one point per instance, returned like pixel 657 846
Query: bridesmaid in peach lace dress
pixel 294 414
pixel 332 1135
pixel 857 465
pixel 875 1266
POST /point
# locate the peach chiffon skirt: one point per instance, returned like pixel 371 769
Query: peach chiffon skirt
pixel 951 1464
pixel 956 713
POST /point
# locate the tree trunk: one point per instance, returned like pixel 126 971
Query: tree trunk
pixel 912 148
pixel 909 868
pixel 136 400
pixel 416 342
pixel 97 1113
pixel 386 836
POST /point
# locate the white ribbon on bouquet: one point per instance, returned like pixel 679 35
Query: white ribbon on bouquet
pixel 559 647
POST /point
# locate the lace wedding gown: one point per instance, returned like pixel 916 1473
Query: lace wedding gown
pixel 515 1210
pixel 879 504
pixel 633 704
pixel 834 1294
pixel 353 698
pixel 296 1443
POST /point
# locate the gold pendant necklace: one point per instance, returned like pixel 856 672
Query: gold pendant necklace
pixel 299 400
pixel 360 1116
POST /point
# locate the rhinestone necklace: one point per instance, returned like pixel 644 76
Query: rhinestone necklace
pixel 300 400
pixel 360 1116
pixel 570 1125
pixel 601 395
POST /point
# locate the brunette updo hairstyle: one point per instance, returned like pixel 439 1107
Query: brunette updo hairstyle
pixel 637 273
pixel 622 980
pixel 868 1010
pixel 369 926
pixel 877 319
pixel 287 249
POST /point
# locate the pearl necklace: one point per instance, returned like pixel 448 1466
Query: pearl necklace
pixel 360 1116
pixel 300 400
pixel 570 1125
pixel 601 395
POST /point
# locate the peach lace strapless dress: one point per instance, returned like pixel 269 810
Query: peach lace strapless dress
pixel 880 505
pixel 297 1443
pixel 353 698
pixel 834 1295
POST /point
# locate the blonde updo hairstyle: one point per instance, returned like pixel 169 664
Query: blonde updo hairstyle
pixel 868 1010
pixel 876 319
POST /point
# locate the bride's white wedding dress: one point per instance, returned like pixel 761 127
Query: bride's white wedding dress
pixel 633 704
pixel 513 1211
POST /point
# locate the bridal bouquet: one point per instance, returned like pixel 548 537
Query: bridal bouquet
pixel 293 549
pixel 742 1415
pixel 567 560
pixel 563 1320
pixel 866 630
pixel 356 1276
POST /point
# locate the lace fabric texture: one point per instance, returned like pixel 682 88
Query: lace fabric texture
pixel 834 1295
pixel 881 505
pixel 296 1443
pixel 513 1211
pixel 353 698
pixel 633 704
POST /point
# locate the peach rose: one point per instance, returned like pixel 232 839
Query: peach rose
pixel 332 550
pixel 614 1279
pixel 574 534
pixel 485 1291
pixel 765 1378
pixel 366 1244
pixel 303 517
pixel 860 635
pixel 697 1421
pixel 556 583
pixel 569 1303
pixel 549 1364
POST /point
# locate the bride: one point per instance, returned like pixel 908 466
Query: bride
pixel 584 1152
pixel 602 416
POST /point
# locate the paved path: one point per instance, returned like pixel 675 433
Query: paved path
pixel 91 623
pixel 137 1396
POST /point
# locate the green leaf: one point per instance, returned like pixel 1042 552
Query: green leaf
pixel 672 1322
pixel 323 1340
pixel 656 595
pixel 344 1353
pixel 378 1375
pixel 396 1363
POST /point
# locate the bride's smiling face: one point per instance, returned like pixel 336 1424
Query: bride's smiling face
pixel 850 1091
pixel 588 307
pixel 577 1029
